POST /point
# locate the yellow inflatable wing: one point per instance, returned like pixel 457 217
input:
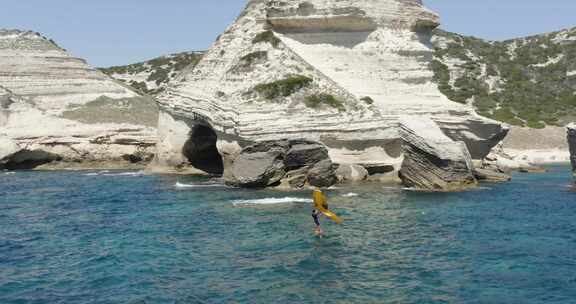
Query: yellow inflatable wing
pixel 321 205
pixel 331 215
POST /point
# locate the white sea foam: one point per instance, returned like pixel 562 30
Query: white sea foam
pixel 204 185
pixel 9 173
pixel 107 173
pixel 138 173
pixel 271 201
pixel 351 194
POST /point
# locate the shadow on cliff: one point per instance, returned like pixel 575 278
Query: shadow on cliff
pixel 200 150
pixel 28 160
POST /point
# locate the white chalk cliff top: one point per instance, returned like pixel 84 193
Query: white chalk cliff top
pixel 35 67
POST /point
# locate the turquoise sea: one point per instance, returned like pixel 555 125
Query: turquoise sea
pixel 127 237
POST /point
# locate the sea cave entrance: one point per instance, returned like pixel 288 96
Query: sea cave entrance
pixel 200 150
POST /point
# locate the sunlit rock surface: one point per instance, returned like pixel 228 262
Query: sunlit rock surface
pixel 288 164
pixel 432 161
pixel 338 72
pixel 64 110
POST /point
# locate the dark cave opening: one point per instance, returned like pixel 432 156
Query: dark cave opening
pixel 201 151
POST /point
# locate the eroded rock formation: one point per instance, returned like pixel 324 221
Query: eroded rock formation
pixel 7 149
pixel 285 163
pixel 56 107
pixel 432 161
pixel 572 144
pixel 337 72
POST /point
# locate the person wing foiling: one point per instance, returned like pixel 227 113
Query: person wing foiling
pixel 321 206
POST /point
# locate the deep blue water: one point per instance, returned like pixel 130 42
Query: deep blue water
pixel 80 237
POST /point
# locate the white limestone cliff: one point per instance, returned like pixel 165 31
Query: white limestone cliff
pixel 338 72
pixel 57 106
pixel 35 68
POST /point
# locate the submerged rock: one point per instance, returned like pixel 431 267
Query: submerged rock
pixel 432 161
pixel 572 144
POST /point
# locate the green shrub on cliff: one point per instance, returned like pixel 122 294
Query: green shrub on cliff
pixel 267 37
pixel 283 88
pixel 318 100
pixel 247 61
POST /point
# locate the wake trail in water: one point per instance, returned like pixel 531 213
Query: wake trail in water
pixel 270 201
pixel 108 173
pixel 351 194
pixel 204 185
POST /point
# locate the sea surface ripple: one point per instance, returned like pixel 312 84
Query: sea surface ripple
pixel 128 237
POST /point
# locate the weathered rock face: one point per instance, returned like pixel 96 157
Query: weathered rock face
pixel 12 156
pixel 7 149
pixel 572 144
pixel 35 68
pixel 260 165
pixel 60 108
pixel 491 175
pixel 287 163
pixel 432 160
pixel 323 174
pixel 337 72
pixel 351 173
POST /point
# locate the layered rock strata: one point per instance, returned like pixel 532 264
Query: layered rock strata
pixel 338 72
pixel 572 144
pixel 491 175
pixel 286 163
pixel 57 108
pixel 36 68
pixel 432 161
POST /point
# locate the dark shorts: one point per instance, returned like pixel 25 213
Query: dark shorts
pixel 316 217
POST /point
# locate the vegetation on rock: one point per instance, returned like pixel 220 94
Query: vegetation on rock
pixel 527 82
pixel 318 100
pixel 157 72
pixel 267 37
pixel 283 88
pixel 135 110
pixel 248 61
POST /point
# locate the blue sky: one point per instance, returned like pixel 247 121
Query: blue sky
pixel 116 32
